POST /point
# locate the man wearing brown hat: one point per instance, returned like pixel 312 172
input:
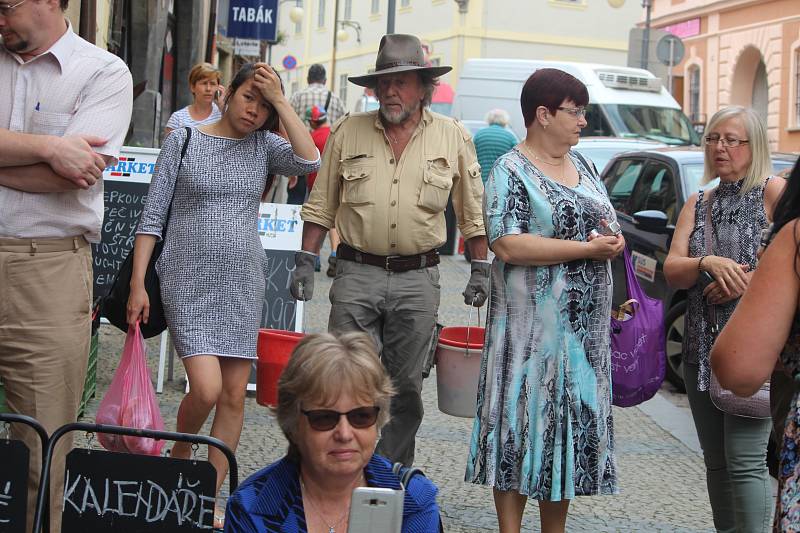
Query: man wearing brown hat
pixel 384 183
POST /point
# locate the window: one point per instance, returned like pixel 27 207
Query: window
pixel 348 9
pixel 343 88
pixel 596 123
pixel 655 190
pixel 797 86
pixel 376 6
pixel 405 3
pixel 321 14
pixel 694 94
pixel 621 181
pixel 298 26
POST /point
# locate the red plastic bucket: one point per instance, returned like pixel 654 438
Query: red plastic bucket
pixel 274 348
pixel 458 367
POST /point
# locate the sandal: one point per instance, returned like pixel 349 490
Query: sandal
pixel 219 519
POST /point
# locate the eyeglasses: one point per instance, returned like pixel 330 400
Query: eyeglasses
pixel 327 419
pixel 713 140
pixel 577 112
pixel 6 10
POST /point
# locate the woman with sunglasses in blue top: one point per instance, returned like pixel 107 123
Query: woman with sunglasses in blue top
pixel 333 398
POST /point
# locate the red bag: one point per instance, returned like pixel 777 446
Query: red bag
pixel 130 401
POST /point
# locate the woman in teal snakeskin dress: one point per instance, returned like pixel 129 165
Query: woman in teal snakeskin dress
pixel 544 428
pixel 764 328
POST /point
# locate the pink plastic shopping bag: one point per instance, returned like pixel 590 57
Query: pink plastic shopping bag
pixel 131 401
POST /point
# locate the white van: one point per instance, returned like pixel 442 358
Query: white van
pixel 623 101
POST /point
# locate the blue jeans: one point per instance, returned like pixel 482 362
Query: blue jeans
pixel 734 451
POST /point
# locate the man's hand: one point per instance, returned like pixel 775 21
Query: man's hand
pixel 72 157
pixel 478 285
pixel 301 282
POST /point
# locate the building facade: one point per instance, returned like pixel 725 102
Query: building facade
pixel 571 30
pixel 744 52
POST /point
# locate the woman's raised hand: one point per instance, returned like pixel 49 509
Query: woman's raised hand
pixel 730 276
pixel 268 82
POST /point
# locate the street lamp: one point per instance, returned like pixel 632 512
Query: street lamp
pixel 296 13
pixel 342 34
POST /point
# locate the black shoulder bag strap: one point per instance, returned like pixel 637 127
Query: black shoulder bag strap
pixel 180 162
pixel 712 309
pixel 328 102
pixel 405 475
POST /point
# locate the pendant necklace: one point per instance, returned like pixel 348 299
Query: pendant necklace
pixel 331 527
pixel 529 151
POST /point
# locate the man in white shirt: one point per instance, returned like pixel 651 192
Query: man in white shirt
pixel 65 112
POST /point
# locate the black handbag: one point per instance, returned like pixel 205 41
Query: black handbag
pixel 115 303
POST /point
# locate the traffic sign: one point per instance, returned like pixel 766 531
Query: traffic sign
pixel 289 62
pixel 670 50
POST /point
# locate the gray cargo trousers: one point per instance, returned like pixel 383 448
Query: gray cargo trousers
pixel 399 310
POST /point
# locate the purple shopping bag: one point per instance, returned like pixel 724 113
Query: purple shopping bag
pixel 638 354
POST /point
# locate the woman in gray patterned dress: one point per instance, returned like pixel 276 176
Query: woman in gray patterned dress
pixel 734 447
pixel 212 266
pixel 544 428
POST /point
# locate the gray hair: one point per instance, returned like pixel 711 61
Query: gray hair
pixel 760 164
pixel 323 367
pixel 498 116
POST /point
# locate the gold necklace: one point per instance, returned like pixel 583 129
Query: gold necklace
pixel 331 527
pixel 559 179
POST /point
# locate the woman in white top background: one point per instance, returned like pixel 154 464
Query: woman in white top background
pixel 208 93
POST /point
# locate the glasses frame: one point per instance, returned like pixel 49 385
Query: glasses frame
pixel 709 141
pixel 576 112
pixel 322 412
pixel 6 10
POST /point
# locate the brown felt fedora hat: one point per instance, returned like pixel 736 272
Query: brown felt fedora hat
pixel 398 53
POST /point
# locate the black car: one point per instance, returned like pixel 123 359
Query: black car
pixel 648 189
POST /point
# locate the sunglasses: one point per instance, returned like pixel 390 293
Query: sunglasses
pixel 327 419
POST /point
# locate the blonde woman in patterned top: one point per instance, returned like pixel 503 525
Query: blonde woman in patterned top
pixel 734 447
pixel 207 98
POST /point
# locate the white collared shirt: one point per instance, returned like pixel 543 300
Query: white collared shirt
pixel 73 88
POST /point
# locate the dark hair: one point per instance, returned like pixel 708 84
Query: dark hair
pixel 549 87
pixel 788 206
pixel 64 5
pixel 316 74
pixel 248 72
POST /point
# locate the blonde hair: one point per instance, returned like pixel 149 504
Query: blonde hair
pixel 760 163
pixel 202 71
pixel 323 367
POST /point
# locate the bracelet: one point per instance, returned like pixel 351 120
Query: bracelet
pixel 700 264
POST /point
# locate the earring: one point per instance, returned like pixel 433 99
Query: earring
pixel 544 126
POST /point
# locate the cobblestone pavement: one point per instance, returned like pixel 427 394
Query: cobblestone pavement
pixel 662 479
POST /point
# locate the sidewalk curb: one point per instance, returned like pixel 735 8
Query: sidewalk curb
pixel 677 421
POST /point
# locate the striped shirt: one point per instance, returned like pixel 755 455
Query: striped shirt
pixel 182 118
pixel 74 88
pixel 491 143
pixel 315 95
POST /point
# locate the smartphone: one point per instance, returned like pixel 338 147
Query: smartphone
pixel 375 509
pixel 613 228
pixel 217 94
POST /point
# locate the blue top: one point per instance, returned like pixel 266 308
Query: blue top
pixel 270 500
pixel 490 143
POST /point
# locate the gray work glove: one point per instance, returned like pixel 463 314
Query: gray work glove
pixel 478 285
pixel 301 282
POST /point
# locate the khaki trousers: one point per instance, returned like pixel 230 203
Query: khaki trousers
pixel 45 333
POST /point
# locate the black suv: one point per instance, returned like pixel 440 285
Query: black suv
pixel 648 189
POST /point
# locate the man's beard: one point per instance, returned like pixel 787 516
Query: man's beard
pixel 400 116
pixel 20 46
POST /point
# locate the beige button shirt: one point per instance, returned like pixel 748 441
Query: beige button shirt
pixel 73 88
pixel 387 207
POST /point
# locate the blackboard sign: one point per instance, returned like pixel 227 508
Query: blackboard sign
pixel 124 202
pixel 120 492
pixel 125 192
pixel 15 457
pixel 279 308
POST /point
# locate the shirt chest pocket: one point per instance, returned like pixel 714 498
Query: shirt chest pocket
pixel 45 123
pixel 358 181
pixel 437 180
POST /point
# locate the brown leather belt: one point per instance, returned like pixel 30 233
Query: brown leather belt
pixel 393 263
